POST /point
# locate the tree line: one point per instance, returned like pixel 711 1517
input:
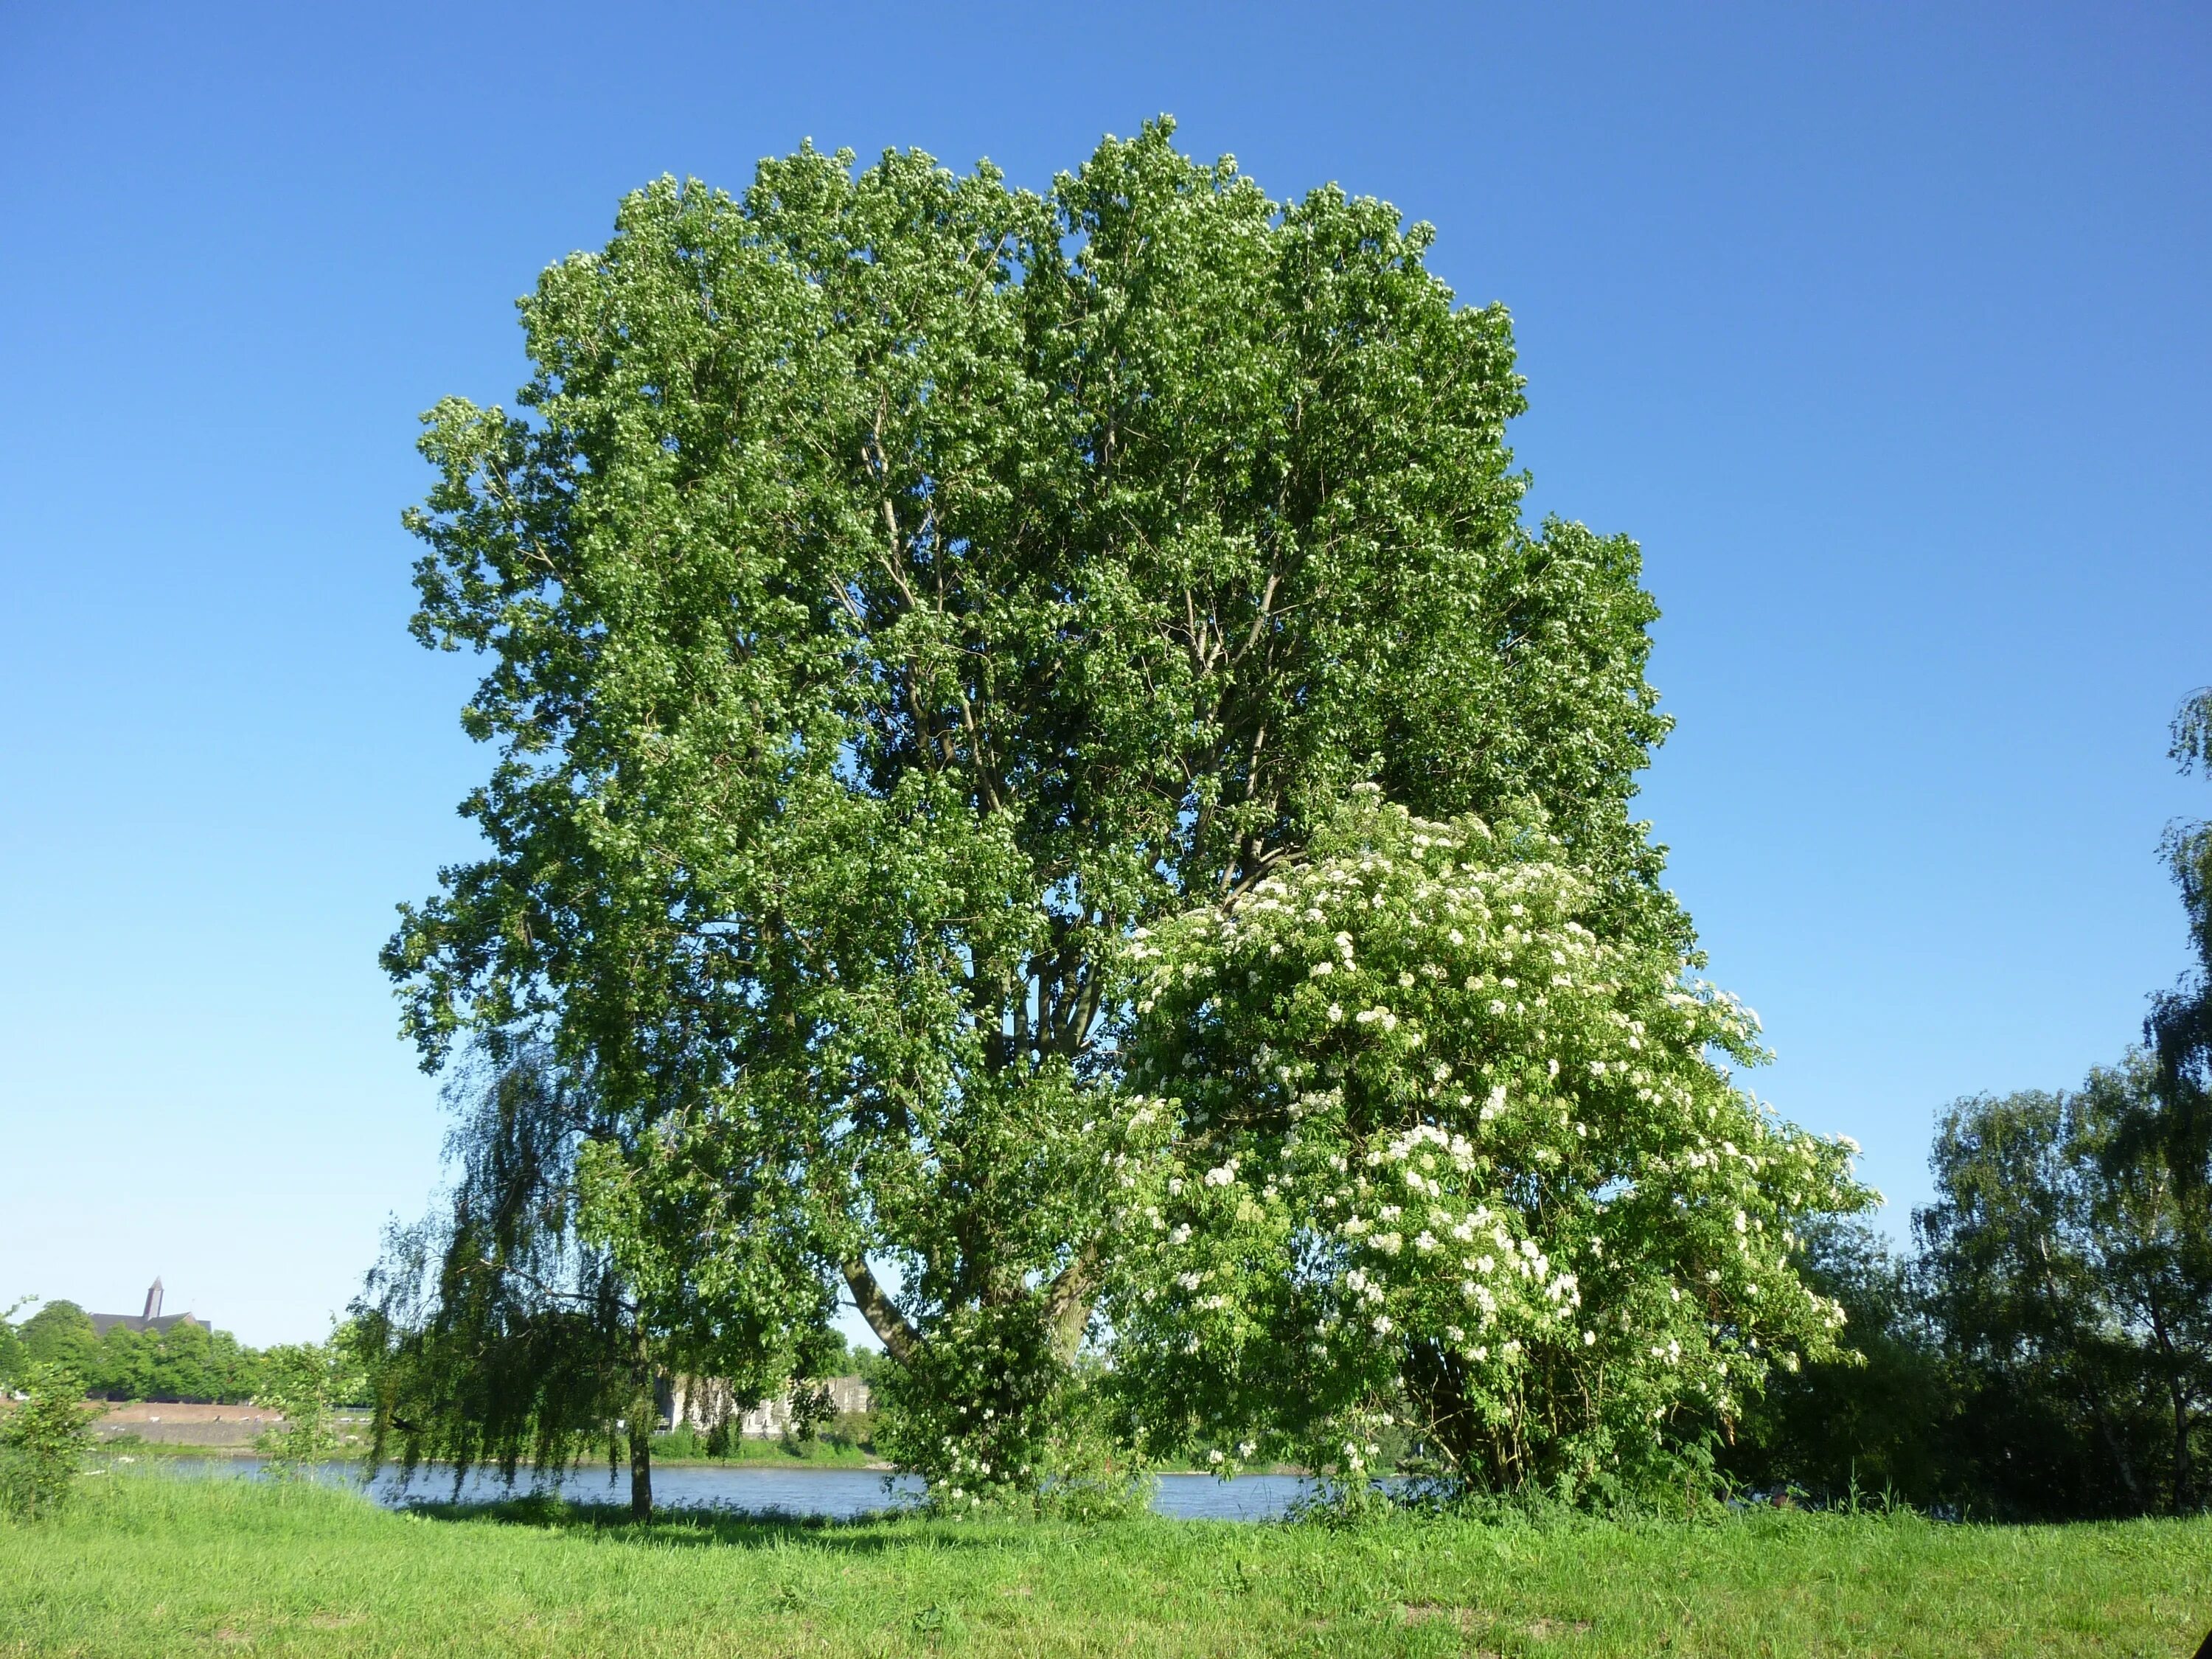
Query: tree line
pixel 185 1362
pixel 1044 791
pixel 2044 1347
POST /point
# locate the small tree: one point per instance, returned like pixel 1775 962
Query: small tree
pixel 303 1382
pixel 44 1441
pixel 530 1318
pixel 1434 1145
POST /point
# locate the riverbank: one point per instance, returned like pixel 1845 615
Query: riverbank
pixel 152 1564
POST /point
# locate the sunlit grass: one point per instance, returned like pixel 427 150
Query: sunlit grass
pixel 152 1564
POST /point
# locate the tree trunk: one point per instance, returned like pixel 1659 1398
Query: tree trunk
pixel 644 1419
pixel 2181 1470
pixel 641 1467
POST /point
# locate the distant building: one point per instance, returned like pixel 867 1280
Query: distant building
pixel 152 1320
pixel 701 1403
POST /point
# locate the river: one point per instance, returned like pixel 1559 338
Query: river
pixel 837 1494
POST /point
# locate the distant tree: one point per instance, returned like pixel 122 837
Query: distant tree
pixel 60 1334
pixel 2069 1271
pixel 237 1369
pixel 1877 1419
pixel 2047 1428
pixel 899 587
pixel 2151 1240
pixel 188 1361
pixel 869 1365
pixel 179 1367
pixel 121 1364
pixel 2063 1283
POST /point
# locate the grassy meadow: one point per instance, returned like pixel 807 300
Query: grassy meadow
pixel 151 1565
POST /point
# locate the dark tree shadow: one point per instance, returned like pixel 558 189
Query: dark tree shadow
pixel 709 1526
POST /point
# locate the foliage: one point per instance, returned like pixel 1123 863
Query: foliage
pixel 304 1382
pixel 44 1440
pixel 846 1441
pixel 61 1334
pixel 187 1361
pixel 1878 1420
pixel 2151 1218
pixel 2179 1028
pixel 1434 1141
pixel 1013 1432
pixel 507 1327
pixel 2070 1274
pixel 309 1570
pixel 12 1357
pixel 898 588
pixel 2048 1353
pixel 496 1331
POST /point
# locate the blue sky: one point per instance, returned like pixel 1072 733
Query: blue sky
pixel 1883 329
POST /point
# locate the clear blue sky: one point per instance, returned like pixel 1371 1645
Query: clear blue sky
pixel 1883 328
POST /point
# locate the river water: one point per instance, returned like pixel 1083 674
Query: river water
pixel 837 1494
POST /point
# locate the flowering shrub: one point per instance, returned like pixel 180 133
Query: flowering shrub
pixel 994 1422
pixel 1435 1150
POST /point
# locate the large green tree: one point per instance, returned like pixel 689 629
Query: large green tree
pixel 898 588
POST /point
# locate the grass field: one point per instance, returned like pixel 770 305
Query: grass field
pixel 151 1565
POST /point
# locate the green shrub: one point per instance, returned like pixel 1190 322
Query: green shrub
pixel 43 1443
pixel 303 1381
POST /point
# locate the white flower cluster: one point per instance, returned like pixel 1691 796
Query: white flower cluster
pixel 1513 1153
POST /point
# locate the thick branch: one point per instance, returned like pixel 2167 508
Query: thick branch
pixel 899 1338
pixel 1068 1305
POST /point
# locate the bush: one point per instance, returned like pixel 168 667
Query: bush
pixel 43 1443
pixel 303 1381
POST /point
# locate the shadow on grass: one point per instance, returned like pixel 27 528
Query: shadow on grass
pixel 873 1532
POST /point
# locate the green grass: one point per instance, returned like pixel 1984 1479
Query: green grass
pixel 153 1564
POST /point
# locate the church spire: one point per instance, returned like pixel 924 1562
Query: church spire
pixel 153 1300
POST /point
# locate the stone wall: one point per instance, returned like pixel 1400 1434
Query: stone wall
pixel 169 1424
